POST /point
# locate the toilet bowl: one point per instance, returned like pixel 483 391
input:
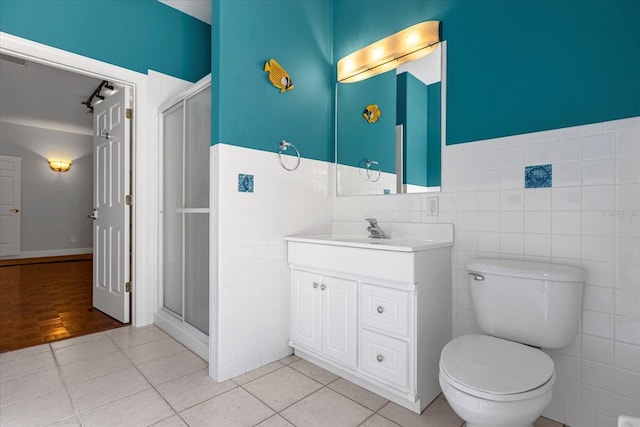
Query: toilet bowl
pixel 491 382
pixel 503 379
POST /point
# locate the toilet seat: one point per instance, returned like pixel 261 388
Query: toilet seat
pixel 496 369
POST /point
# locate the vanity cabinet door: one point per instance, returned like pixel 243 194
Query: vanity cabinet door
pixel 306 312
pixel 339 320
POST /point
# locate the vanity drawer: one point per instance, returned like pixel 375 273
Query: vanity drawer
pixel 385 309
pixel 386 358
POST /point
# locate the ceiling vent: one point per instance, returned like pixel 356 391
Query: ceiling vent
pixel 13 59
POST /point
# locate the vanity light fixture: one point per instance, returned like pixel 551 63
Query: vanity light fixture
pixel 60 165
pixel 407 45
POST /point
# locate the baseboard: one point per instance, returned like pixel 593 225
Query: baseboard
pixel 49 253
pixel 37 257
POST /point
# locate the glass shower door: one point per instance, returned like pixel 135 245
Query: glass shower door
pixel 186 127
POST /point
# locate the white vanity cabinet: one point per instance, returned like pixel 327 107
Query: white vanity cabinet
pixel 373 313
pixel 324 315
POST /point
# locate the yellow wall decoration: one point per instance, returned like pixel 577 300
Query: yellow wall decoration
pixel 278 76
pixel 372 113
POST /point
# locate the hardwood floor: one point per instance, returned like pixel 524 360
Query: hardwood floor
pixel 44 302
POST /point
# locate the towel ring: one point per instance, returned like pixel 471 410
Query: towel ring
pixel 283 147
pixel 370 163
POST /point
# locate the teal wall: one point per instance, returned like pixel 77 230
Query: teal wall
pixel 247 110
pixel 413 114
pixel 434 134
pixel 136 34
pixel 513 66
pixel 517 66
pixel 419 111
pixel 359 140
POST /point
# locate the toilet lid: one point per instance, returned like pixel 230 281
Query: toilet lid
pixel 494 365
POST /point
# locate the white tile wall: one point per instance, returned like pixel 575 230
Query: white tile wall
pixel 590 217
pixel 252 279
pixel 355 180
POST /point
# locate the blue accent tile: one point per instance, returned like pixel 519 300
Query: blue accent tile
pixel 245 183
pixel 538 176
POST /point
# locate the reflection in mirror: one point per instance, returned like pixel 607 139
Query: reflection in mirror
pixel 400 152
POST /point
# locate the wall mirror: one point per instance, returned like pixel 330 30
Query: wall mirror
pixel 390 129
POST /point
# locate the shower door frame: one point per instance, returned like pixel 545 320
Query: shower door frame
pixel 165 319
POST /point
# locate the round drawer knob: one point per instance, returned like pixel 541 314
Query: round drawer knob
pixel 323 287
pixel 380 309
pixel 379 358
pixel 315 285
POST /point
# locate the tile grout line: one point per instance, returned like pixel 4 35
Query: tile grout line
pixel 152 386
pixel 327 386
pixel 283 409
pixel 120 350
pixel 303 397
pixel 66 388
pixel 235 385
pixel 90 379
pixel 324 386
pixel 19 378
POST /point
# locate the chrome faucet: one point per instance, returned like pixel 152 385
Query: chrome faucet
pixel 375 230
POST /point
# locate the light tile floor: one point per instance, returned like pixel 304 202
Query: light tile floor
pixel 142 377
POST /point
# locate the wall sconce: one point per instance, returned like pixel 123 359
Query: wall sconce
pixel 60 165
pixel 407 45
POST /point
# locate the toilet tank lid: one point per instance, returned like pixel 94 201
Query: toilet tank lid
pixel 527 269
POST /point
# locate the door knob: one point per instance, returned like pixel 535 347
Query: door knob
pixel 15 210
pixel 93 215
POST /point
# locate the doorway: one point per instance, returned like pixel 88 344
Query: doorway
pixel 89 70
pixel 47 280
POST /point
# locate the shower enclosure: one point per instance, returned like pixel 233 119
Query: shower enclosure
pixel 185 133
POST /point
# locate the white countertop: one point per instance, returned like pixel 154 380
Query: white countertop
pixel 400 244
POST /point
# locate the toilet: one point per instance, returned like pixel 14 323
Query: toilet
pixel 503 379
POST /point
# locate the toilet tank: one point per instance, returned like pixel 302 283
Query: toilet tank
pixel 527 302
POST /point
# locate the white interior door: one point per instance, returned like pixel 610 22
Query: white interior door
pixel 9 205
pixel 111 214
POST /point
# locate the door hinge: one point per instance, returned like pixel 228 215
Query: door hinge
pixel 128 113
pixel 128 199
pixel 127 287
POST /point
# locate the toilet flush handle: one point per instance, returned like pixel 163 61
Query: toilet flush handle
pixel 477 277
